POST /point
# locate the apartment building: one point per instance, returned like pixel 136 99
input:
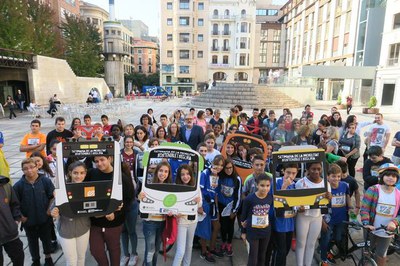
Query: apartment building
pixel 338 39
pixel 269 51
pixel 232 33
pixel 94 15
pixel 184 45
pixel 202 41
pixel 388 78
pixel 62 7
pixel 320 33
pixel 138 28
pixel 145 54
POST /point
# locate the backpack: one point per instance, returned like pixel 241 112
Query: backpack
pixel 170 233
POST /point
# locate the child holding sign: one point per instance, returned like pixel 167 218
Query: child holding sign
pixel 153 226
pixel 74 233
pixel 332 224
pixel 186 227
pixel 256 220
pixel 309 222
pixel 283 227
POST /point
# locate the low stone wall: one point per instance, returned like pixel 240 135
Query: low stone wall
pixel 55 76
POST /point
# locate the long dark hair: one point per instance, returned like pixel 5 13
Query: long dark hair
pixel 234 174
pixel 72 128
pixel 45 167
pixel 72 166
pixel 179 178
pixel 350 119
pixel 234 154
pixel 169 178
pixel 158 130
pixel 146 134
pixel 337 123
pixel 177 131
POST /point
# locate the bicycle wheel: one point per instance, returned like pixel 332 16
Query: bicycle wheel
pixel 367 261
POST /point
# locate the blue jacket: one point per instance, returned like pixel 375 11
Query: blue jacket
pixel 207 191
pixel 227 192
pixel 266 122
pixel 196 136
pixel 34 199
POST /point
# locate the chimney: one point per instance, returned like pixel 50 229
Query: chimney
pixel 112 10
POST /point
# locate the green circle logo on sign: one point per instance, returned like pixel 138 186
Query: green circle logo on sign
pixel 169 200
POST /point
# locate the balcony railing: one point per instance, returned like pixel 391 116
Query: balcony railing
pixel 226 49
pixel 218 65
pixel 222 17
pixel 16 59
pixel 393 61
pixel 226 32
pixel 214 32
pixel 214 48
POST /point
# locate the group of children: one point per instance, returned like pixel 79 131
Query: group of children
pixel 224 198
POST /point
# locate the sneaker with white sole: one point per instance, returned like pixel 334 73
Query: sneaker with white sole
pixel 124 261
pixel 133 260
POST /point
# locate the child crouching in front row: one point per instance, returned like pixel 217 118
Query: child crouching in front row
pixel 256 218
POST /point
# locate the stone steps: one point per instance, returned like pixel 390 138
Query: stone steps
pixel 227 95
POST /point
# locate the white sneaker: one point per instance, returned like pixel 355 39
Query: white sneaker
pixel 133 260
pixel 124 261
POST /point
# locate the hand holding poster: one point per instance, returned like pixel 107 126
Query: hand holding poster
pixel 87 197
pixel 236 147
pixel 171 180
pixel 311 189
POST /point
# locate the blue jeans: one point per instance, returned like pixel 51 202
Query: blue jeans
pixel 334 233
pixel 152 232
pixel 129 231
pixel 21 105
pixel 36 232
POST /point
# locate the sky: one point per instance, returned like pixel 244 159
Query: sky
pixel 147 11
pixel 144 10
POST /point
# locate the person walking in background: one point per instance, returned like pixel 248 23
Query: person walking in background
pixel 11 106
pixel 20 99
pixel 349 103
pixel 53 107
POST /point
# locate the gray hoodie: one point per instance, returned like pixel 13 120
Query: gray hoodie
pixel 9 212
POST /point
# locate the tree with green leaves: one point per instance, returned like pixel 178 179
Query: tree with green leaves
pixel 82 47
pixel 14 29
pixel 44 32
pixel 27 25
pixel 139 79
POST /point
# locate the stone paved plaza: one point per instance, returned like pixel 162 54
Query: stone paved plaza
pixel 15 129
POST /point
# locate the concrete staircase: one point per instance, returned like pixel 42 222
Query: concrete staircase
pixel 226 95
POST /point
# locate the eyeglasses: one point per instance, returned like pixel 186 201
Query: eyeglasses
pixel 229 168
pixel 28 168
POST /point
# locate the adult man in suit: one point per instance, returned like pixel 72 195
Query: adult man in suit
pixel 191 134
